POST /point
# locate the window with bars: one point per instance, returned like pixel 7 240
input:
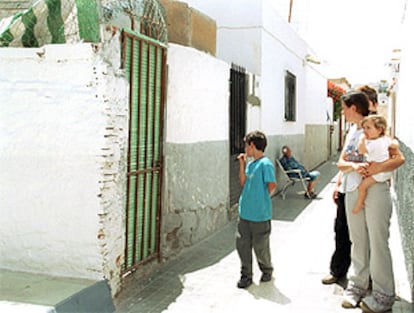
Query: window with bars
pixel 237 109
pixel 290 97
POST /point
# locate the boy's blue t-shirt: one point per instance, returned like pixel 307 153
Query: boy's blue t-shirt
pixel 255 204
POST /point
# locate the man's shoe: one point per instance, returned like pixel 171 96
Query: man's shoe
pixel 244 282
pixel 330 279
pixel 266 277
pixel 310 195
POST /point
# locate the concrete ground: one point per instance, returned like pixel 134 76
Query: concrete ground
pixel 37 293
pixel 203 278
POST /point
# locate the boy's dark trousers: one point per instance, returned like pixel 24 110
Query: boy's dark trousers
pixel 341 258
pixel 256 236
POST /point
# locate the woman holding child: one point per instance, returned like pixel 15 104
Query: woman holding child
pixel 369 228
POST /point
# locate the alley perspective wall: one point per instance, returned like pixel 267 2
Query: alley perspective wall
pixel 195 201
pixel 404 179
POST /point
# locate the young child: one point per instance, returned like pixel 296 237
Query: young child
pixel 255 208
pixel 375 145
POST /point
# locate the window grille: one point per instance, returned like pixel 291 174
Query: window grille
pixel 290 97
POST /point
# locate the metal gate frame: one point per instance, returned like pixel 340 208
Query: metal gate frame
pixel 144 60
pixel 237 126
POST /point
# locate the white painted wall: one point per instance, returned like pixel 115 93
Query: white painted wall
pixel 197 96
pixel 196 150
pixel 283 50
pixel 404 115
pixel 256 37
pixel 277 60
pixel 404 179
pixel 239 30
pixel 239 13
pixel 60 192
pixel 43 147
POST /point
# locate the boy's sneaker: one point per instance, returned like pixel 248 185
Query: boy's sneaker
pixel 244 282
pixel 266 277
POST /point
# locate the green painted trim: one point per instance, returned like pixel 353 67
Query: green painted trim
pixel 145 38
pixel 29 21
pixel 7 37
pixel 55 21
pixel 88 20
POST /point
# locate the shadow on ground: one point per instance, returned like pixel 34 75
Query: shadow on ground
pixel 140 289
pixel 270 292
pixel 145 292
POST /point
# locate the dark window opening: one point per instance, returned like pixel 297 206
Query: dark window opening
pixel 290 97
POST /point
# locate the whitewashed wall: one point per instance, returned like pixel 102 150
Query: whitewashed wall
pixel 198 96
pixel 62 145
pixel 196 183
pixel 239 27
pixel 404 181
pixel 256 37
pixel 404 114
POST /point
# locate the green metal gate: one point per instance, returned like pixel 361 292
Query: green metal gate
pixel 144 60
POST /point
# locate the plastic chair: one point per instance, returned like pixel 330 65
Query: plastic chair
pixel 290 181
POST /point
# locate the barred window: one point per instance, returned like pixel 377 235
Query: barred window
pixel 290 97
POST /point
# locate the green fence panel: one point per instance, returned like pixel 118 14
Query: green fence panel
pixel 143 62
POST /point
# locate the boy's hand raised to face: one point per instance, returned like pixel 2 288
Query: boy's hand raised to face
pixel 242 157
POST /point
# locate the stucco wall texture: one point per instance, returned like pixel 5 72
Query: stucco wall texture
pixel 404 186
pixel 63 151
pixel 196 184
pixel 404 183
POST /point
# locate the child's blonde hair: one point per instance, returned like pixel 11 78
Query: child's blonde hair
pixel 379 122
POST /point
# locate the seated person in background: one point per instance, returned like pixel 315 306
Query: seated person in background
pixel 289 163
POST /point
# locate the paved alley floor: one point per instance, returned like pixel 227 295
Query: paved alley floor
pixel 203 278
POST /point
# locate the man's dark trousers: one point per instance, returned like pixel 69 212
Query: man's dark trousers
pixel 341 258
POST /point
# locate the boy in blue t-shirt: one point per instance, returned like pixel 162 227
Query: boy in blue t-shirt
pixel 255 208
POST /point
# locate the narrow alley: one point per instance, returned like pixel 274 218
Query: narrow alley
pixel 204 277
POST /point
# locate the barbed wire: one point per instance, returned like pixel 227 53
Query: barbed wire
pixel 149 13
pixel 71 21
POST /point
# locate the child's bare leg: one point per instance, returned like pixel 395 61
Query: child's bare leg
pixel 362 193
